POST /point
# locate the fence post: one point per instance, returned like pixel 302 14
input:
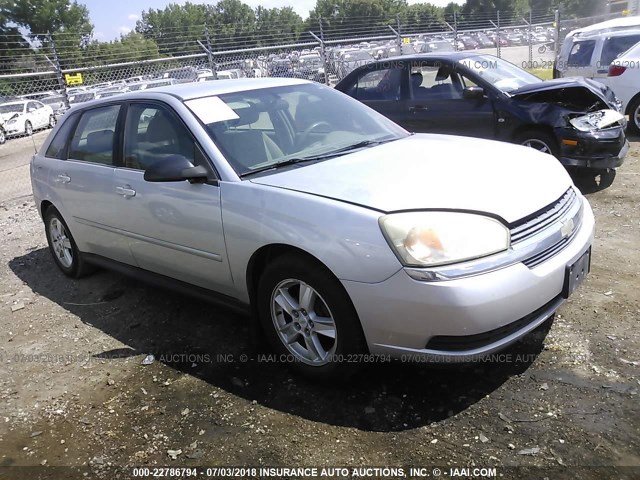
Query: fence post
pixel 58 69
pixel 530 41
pixel 207 37
pixel 325 65
pixel 399 32
pixel 557 39
pixel 498 34
pixel 455 30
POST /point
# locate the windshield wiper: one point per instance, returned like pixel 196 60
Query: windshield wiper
pixel 314 158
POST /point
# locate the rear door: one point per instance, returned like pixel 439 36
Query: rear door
pixel 84 182
pixel 384 88
pixel 581 59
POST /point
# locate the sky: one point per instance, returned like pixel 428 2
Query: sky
pixel 111 20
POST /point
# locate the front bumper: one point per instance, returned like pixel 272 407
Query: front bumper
pixel 403 317
pixel 600 149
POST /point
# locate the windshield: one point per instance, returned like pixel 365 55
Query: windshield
pixel 501 74
pixel 12 108
pixel 258 128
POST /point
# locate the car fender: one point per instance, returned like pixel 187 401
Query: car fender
pixel 346 238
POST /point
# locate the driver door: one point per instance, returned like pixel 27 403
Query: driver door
pixel 173 228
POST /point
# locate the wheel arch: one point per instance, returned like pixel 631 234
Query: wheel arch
pixel 261 258
pixel 44 206
pixel 531 127
pixel 630 103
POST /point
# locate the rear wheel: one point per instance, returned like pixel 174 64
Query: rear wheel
pixel 52 121
pixel 539 140
pixel 3 136
pixel 28 128
pixel 308 318
pixel 62 246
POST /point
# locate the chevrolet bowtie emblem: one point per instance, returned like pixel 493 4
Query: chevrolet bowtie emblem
pixel 567 228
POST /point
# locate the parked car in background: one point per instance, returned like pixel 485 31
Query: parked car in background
pixel 576 120
pixel 3 133
pixel 353 59
pixel 624 79
pixel 437 46
pixel 276 196
pixel 182 74
pixel 483 40
pixel 588 52
pixel 467 42
pixel 82 96
pixel 311 67
pixel 25 116
pixel 57 104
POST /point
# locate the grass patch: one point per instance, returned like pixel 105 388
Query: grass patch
pixel 543 73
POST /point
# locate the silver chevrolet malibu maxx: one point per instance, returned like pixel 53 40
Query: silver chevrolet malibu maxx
pixel 342 232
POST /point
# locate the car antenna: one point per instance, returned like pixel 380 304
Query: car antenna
pixel 35 149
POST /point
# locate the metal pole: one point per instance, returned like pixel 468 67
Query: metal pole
pixel 212 64
pixel 530 42
pixel 58 69
pixel 557 39
pixel 455 29
pixel 498 33
pixel 323 53
pixel 399 33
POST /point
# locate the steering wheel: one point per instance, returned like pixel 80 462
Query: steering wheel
pixel 305 135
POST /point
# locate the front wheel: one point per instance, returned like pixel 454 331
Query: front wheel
pixel 309 319
pixel 3 136
pixel 28 128
pixel 62 246
pixel 634 116
pixel 52 121
pixel 542 49
pixel 539 140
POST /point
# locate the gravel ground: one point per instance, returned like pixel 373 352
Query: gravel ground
pixel 75 393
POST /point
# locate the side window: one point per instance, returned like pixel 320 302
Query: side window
pixel 614 46
pixel 94 136
pixel 435 82
pixel 152 134
pixel 58 146
pixel 381 84
pixel 581 53
pixel 32 106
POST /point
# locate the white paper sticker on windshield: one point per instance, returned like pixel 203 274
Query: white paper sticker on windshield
pixel 211 110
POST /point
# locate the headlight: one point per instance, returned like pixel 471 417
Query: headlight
pixel 426 239
pixel 596 120
pixel 13 121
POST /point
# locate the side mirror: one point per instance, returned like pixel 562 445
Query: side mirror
pixel 31 109
pixel 175 168
pixel 471 93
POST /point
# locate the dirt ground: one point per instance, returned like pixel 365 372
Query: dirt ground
pixel 74 391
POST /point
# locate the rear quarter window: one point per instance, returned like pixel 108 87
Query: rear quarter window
pixel 58 146
pixel 581 53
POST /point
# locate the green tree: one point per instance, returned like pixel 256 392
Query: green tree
pixel 176 28
pixel 277 25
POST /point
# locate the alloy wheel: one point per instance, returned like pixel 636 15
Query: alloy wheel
pixel 61 243
pixel 304 323
pixel 537 144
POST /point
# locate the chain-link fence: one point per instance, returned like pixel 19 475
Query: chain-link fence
pixel 65 68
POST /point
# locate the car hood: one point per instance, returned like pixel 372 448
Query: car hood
pixel 426 171
pixel 562 83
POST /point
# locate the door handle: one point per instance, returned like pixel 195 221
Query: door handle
pixel 126 191
pixel 418 108
pixel 63 178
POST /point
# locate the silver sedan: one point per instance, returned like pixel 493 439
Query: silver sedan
pixel 346 235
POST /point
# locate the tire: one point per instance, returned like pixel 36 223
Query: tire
pixel 62 246
pixel 52 121
pixel 542 49
pixel 28 128
pixel 3 137
pixel 634 116
pixel 294 292
pixel 539 140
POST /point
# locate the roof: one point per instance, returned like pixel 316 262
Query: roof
pixel 609 25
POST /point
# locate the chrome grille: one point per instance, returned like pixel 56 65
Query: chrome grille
pixel 546 217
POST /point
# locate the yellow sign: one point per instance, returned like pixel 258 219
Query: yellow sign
pixel 73 79
pixel 406 40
